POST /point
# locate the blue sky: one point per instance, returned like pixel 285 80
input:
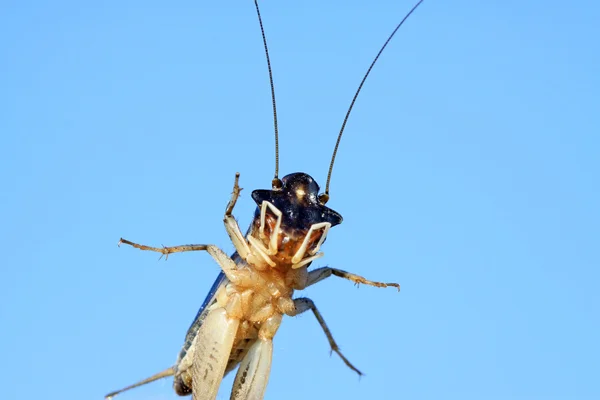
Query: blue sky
pixel 468 173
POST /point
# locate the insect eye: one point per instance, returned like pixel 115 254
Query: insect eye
pixel 276 183
pixel 323 198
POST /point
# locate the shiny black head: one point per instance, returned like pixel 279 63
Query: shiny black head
pixel 298 200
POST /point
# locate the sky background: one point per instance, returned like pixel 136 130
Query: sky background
pixel 468 173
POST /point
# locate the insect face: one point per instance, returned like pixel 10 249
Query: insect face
pixel 297 201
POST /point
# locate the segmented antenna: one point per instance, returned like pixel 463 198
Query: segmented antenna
pixel 276 181
pixel 324 197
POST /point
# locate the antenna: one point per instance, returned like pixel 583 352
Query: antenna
pixel 324 197
pixel 276 181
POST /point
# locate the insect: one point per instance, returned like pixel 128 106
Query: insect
pixel 236 324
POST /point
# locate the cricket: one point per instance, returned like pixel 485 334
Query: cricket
pixel 235 325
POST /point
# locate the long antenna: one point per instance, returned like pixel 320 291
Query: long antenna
pixel 325 196
pixel 276 180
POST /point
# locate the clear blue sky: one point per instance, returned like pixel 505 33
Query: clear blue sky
pixel 469 173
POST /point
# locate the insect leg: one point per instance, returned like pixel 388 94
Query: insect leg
pixel 213 346
pixel 231 225
pixel 239 277
pixel 155 377
pixel 319 274
pixel 234 195
pixel 253 374
pixel 303 304
pixel 165 250
pixel 237 237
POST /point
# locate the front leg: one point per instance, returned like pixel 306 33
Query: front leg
pixel 231 225
pixel 319 274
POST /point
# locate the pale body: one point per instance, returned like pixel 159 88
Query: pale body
pixel 245 308
pixel 246 304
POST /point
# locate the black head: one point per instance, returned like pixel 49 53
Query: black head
pixel 298 200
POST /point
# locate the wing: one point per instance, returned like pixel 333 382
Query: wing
pixel 210 299
pixel 179 385
pixel 183 375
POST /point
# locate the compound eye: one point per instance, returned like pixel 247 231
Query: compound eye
pixel 276 183
pixel 323 198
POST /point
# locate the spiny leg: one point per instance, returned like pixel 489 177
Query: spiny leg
pixel 319 274
pixel 237 276
pixel 191 247
pixel 165 251
pixel 303 304
pixel 231 225
pixel 234 195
